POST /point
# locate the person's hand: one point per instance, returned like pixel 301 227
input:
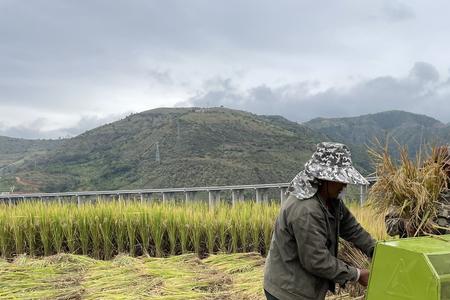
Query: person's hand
pixel 363 277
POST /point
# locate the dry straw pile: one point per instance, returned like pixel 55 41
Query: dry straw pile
pixel 409 189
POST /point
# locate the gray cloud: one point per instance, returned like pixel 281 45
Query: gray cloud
pixel 160 77
pixel 36 128
pixel 61 60
pixel 424 72
pixel 398 11
pixel 420 91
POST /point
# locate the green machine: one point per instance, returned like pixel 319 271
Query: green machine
pixel 412 268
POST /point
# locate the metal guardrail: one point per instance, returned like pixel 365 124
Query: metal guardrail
pixel 146 191
pixel 213 192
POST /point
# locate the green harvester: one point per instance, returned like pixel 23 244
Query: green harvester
pixel 412 268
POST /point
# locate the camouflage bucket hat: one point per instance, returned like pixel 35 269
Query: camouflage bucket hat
pixel 332 162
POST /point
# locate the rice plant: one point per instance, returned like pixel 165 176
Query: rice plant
pixel 144 231
pixel 105 229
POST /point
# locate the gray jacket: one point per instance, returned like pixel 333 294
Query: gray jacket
pixel 302 262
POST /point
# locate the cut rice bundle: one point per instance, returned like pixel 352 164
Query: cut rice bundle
pixel 410 189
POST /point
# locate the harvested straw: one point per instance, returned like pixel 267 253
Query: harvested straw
pixel 67 276
pixel 354 257
pixel 410 188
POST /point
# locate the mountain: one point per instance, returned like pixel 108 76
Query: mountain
pixel 13 150
pixel 181 147
pixel 196 147
pixel 396 127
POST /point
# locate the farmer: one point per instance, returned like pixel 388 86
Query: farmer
pixel 395 225
pixel 302 262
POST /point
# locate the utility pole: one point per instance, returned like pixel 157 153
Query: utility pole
pixel 157 157
pixel 178 131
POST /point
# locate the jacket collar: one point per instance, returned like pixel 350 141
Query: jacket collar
pixel 329 207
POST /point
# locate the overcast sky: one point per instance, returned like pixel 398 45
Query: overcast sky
pixel 69 66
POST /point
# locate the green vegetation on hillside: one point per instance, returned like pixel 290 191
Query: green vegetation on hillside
pixel 16 151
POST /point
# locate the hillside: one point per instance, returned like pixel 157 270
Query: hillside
pixel 13 150
pixel 197 147
pixel 16 152
pixel 400 127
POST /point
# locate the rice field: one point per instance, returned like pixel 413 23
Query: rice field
pixel 133 250
pixel 105 229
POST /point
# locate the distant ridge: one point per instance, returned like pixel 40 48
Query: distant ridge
pixel 404 128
